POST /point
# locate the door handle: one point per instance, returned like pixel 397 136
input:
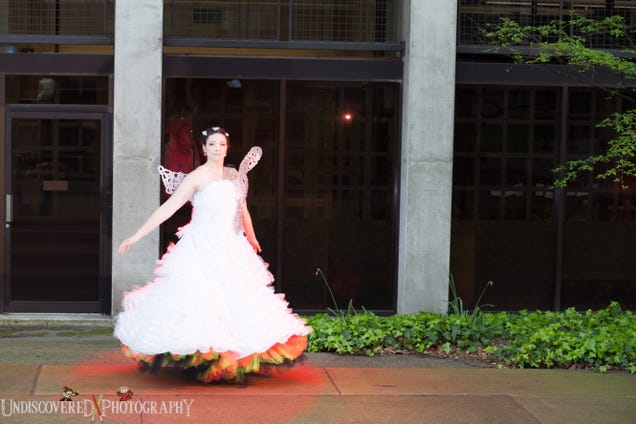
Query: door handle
pixel 8 208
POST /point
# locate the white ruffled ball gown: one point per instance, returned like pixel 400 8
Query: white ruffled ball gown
pixel 211 306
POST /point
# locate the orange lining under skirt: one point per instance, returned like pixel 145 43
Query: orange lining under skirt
pixel 213 366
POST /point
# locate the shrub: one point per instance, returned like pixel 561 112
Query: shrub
pixel 600 340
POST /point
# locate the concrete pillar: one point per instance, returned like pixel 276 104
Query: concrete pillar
pixel 427 155
pixel 136 138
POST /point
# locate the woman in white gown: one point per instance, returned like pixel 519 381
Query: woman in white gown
pixel 211 308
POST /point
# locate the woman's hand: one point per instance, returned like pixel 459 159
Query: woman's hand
pixel 255 245
pixel 127 244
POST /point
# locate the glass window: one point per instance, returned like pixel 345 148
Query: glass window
pixel 490 171
pixel 503 226
pixel 464 171
pixel 355 125
pixel 544 140
pixel 519 104
pixel 492 138
pixel 465 137
pixel 507 234
pixel 57 89
pixel 333 191
pixel 518 136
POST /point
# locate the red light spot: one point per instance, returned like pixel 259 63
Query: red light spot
pixel 348 117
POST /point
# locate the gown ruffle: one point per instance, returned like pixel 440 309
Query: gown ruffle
pixel 211 308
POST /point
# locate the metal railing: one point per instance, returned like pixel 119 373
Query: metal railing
pixel 338 24
pixel 476 15
pixel 56 21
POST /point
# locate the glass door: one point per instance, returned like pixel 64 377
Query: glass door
pixel 57 254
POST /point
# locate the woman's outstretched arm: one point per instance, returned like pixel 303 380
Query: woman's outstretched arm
pixel 181 195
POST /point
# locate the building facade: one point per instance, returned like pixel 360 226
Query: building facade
pixel 96 94
pixel 397 151
pixel 542 248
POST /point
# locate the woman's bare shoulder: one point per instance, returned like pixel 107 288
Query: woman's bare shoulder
pixel 195 176
pixel 230 172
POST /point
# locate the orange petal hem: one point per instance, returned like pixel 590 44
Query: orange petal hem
pixel 211 366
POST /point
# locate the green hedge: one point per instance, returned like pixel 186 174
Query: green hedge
pixel 600 340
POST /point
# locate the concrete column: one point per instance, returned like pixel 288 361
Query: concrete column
pixel 137 138
pixel 427 155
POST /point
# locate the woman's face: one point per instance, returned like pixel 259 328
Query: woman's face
pixel 215 146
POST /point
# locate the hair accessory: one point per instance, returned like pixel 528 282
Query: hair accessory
pixel 214 130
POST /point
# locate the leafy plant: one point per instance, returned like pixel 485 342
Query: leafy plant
pixel 568 42
pixel 601 340
pixel 456 304
pixel 337 311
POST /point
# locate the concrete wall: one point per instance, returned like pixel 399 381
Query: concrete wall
pixel 137 135
pixel 429 29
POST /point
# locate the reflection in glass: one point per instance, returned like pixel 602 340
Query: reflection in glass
pixel 545 103
pixel 336 187
pixel 579 139
pixel 493 105
pixel 359 177
pixel 519 104
pixel 464 205
pixel 463 171
pixel 78 90
pixel 580 101
pixel 492 138
pixel 56 210
pixel 542 206
pixel 490 171
pixel 516 172
pixel 465 136
pixel 515 205
pixel 517 140
pixel 490 204
pixel 542 174
pixel 544 138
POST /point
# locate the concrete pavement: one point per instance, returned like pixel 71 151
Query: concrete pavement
pixel 325 388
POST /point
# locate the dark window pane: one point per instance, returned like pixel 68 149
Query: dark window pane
pixel 544 138
pixel 541 206
pixel 518 138
pixel 519 104
pixel 581 104
pixel 465 137
pixel 596 270
pixel 546 104
pixel 328 218
pixel 577 206
pixel 604 208
pixel 492 138
pixel 466 103
pixel 542 175
pixel 57 89
pixel 464 205
pixel 492 105
pixel 515 205
pixel 579 139
pixel 464 171
pixel 490 171
pixel 516 172
pixel 56 210
pixel 490 205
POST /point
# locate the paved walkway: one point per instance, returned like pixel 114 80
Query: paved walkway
pixel 324 389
